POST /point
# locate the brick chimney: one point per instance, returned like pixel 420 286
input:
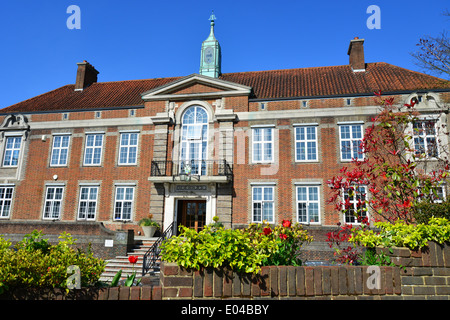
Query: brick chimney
pixel 86 75
pixel 356 53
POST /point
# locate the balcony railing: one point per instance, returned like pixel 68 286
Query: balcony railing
pixel 191 169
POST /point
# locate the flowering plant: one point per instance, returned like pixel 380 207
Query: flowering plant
pixel 344 251
pixel 288 238
pixel 393 164
pixel 130 279
pixel 243 250
pixel 240 249
pixel 133 259
pixel 35 263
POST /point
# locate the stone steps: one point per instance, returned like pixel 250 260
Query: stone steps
pixel 122 263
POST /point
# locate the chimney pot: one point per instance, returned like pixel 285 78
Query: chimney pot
pixel 86 75
pixel 356 53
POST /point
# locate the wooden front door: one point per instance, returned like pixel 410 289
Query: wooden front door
pixel 192 213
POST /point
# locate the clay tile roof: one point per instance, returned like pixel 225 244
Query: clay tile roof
pixel 272 84
pixel 336 80
pixel 97 95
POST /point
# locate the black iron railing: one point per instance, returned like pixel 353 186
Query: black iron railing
pixel 153 256
pixel 191 168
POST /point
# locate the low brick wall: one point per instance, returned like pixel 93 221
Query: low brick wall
pixel 277 282
pixel 95 233
pixel 113 293
pixel 423 274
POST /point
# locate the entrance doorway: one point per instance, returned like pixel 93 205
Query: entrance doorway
pixel 192 214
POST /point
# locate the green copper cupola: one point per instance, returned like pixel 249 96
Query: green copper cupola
pixel 210 60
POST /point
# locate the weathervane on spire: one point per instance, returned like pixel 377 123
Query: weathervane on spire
pixel 212 17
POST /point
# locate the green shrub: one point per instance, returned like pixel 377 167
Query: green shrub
pixel 33 262
pixel 370 257
pixel 243 250
pixel 288 238
pixel 424 211
pixel 401 234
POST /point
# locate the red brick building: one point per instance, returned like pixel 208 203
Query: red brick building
pixel 246 146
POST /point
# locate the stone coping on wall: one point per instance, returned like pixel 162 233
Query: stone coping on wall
pixel 433 255
pixel 87 228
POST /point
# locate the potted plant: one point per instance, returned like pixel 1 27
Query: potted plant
pixel 149 226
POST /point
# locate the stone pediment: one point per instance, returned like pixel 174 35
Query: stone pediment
pixel 14 122
pixel 196 86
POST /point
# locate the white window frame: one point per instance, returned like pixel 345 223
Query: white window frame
pixel 306 141
pixel 128 147
pixel 59 149
pixel 425 136
pixel 442 188
pixel 354 202
pixel 308 203
pixel 262 143
pixel 52 202
pixel 194 141
pixel 119 215
pixel 93 149
pixel 262 201
pixel 85 214
pixel 5 210
pixel 351 126
pixel 11 163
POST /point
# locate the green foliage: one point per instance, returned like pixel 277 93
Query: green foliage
pixel 33 241
pixel 289 239
pixel 34 262
pixel 243 250
pixel 371 258
pixel 148 222
pixel 424 211
pixel 216 224
pixel 401 234
pixel 115 280
pixel 130 280
pixel 396 175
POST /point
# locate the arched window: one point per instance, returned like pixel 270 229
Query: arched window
pixel 194 141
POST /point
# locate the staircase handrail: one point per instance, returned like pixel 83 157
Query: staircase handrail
pixel 153 253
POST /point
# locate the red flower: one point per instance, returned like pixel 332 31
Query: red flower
pixel 267 231
pixel 283 236
pixel 406 204
pixel 133 259
pixel 286 223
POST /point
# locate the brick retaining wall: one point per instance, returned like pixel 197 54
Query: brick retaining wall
pixel 277 282
pixel 423 274
pixel 113 293
pixel 93 233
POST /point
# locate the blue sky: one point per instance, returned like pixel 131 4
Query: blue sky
pixel 140 39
